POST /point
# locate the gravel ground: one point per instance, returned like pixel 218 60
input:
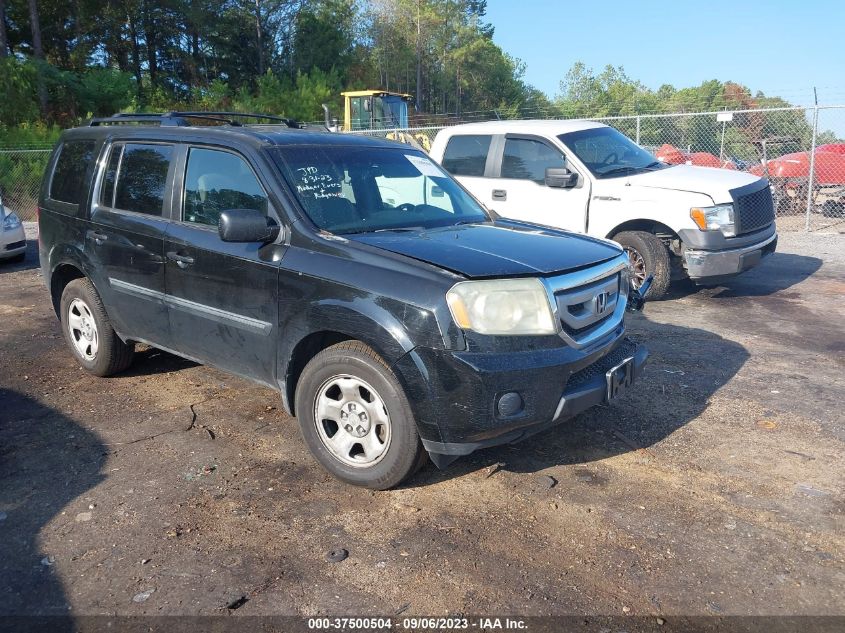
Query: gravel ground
pixel 715 488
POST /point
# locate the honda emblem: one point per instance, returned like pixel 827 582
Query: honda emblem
pixel 600 303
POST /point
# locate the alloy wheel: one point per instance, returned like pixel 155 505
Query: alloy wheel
pixel 352 421
pixel 83 329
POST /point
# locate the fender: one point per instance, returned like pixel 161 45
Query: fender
pixel 385 326
pixel 65 254
pixel 670 209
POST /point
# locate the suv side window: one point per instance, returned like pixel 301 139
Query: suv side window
pixel 142 178
pixel 68 181
pixel 110 177
pixel 217 180
pixel 527 159
pixel 466 155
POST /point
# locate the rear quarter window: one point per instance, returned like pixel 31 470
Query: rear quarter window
pixel 466 155
pixel 68 182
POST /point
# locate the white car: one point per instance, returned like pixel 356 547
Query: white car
pixel 673 221
pixel 12 236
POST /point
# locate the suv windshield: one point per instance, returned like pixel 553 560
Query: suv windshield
pixel 347 189
pixel 608 153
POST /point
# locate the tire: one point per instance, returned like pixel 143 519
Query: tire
pixel 343 387
pixel 654 257
pixel 89 333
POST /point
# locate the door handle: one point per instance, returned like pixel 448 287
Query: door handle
pixel 500 194
pixel 182 261
pixel 97 236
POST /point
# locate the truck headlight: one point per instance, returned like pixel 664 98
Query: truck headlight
pixel 501 306
pixel 718 218
pixel 11 221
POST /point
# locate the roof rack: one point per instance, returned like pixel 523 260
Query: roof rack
pixel 181 118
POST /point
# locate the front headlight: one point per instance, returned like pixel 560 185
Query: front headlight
pixel 501 306
pixel 718 218
pixel 11 221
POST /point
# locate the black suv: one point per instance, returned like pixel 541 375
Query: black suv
pixel 396 316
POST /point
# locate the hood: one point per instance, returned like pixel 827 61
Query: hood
pixel 713 182
pixel 499 249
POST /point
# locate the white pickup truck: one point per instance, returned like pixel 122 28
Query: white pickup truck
pixel 673 221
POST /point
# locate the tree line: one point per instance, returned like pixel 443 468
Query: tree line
pixel 64 60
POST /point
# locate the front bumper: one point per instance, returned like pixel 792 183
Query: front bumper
pixel 454 395
pixel 12 242
pixel 711 266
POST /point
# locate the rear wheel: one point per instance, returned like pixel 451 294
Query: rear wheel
pixel 89 333
pixel 648 256
pixel 355 418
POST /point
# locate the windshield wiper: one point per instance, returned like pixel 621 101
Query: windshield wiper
pixel 653 166
pixel 618 170
pixel 401 229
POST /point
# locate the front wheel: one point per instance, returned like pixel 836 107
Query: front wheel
pixel 355 418
pixel 648 256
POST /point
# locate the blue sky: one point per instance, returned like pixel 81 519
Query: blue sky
pixel 782 48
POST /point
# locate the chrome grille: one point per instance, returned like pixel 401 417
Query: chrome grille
pixel 753 207
pixel 583 319
pixel 587 306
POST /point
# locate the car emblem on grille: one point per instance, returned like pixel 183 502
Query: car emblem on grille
pixel 600 303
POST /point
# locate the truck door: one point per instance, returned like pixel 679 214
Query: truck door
pixel 518 189
pixel 469 159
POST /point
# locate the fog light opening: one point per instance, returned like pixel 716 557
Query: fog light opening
pixel 509 404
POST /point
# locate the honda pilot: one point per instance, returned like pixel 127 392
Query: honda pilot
pixel 395 315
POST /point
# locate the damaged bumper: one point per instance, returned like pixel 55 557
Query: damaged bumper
pixel 707 266
pixel 466 401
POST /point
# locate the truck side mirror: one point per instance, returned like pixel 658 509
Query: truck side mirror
pixel 560 178
pixel 246 225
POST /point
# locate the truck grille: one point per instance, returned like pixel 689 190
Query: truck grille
pixel 753 207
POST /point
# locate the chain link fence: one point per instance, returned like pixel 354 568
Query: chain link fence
pixel 20 179
pixel 800 150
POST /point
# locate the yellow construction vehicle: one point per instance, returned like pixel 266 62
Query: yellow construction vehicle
pixel 377 110
pixel 374 110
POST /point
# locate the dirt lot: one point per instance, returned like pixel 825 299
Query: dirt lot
pixel 714 489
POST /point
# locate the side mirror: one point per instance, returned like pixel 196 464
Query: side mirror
pixel 560 178
pixel 247 225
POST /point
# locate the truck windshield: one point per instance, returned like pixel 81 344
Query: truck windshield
pixel 608 153
pixel 349 189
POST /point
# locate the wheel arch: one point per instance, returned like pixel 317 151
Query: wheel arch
pixel 332 323
pixel 61 276
pixel 649 226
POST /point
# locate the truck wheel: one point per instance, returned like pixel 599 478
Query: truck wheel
pixel 89 333
pixel 649 256
pixel 355 418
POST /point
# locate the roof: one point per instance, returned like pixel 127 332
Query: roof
pixel 381 93
pixel 249 135
pixel 538 126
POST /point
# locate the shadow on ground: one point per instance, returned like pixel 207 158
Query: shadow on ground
pixel 46 461
pixel 677 386
pixel 150 361
pixel 775 274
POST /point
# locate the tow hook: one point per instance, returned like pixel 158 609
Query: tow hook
pixel 636 298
